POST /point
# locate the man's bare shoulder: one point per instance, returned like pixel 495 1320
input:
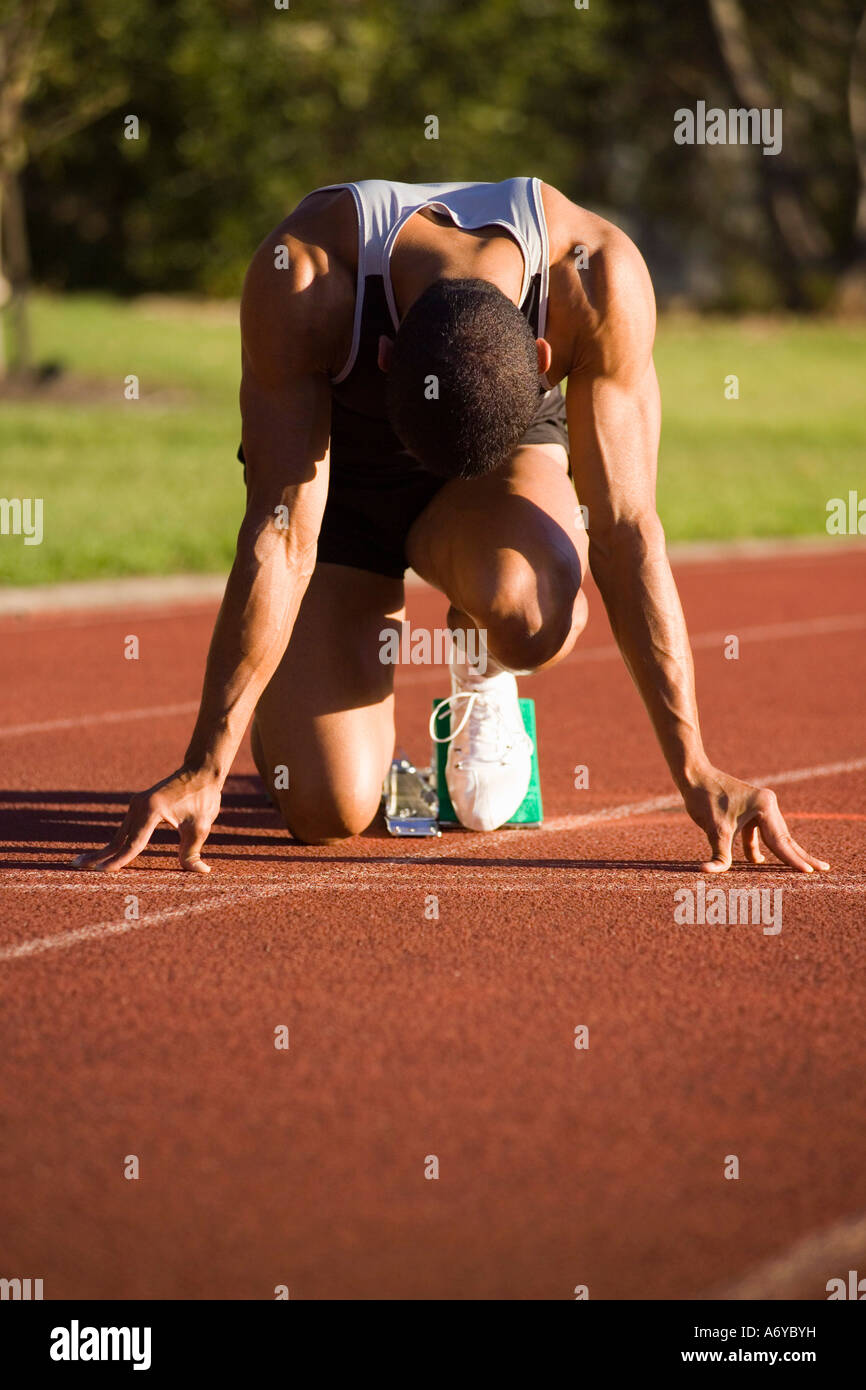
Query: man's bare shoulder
pixel 600 289
pixel 297 303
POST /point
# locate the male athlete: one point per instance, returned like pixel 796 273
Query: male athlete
pixel 403 347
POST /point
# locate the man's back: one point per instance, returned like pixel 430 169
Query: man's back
pixel 571 272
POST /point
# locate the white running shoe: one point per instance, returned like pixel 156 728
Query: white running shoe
pixel 489 763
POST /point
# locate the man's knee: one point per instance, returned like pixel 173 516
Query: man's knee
pixel 325 804
pixel 312 809
pixel 318 829
pixel 534 616
pixel 318 821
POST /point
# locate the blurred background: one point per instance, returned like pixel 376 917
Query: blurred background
pixel 124 256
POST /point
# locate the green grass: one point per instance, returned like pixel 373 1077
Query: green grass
pixel 154 487
pixel 765 464
pixel 129 487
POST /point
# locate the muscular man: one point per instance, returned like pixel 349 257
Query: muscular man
pixel 403 347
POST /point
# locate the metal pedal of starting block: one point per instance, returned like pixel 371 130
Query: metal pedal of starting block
pixel 530 810
pixel 410 802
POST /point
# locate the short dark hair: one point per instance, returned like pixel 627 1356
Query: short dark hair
pixel 463 382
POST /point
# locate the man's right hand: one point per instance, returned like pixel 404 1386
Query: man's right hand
pixel 189 800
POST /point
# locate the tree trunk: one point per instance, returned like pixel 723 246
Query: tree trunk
pixel 4 290
pixel 802 244
pixel 20 39
pixel 851 296
pixel 17 270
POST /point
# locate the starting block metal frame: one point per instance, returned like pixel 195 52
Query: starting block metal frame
pixel 409 800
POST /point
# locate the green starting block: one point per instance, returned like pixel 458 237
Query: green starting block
pixel 529 812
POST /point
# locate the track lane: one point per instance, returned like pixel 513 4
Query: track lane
pixel 453 1036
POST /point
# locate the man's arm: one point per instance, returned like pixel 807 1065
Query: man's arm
pixel 614 423
pixel 285 407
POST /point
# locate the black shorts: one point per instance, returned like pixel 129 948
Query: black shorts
pixel 377 489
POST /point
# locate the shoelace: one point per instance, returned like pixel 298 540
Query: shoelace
pixel 471 696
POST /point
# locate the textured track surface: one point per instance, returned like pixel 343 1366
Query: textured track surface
pixel 413 1036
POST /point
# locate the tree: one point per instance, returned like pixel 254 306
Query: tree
pixel 26 54
pixel 852 288
pixel 244 108
pixel 21 31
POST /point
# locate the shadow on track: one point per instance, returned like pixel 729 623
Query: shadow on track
pixel 32 823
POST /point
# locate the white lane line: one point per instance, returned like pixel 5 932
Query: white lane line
pixel 667 803
pixel 434 850
pixel 804 883
pixel 149 880
pixel 801 627
pixel 412 675
pixel 99 930
pixel 765 632
pixel 118 716
pixel 812 1260
pixel 431 850
pixel 90 601
pixel 104 600
pixel 102 929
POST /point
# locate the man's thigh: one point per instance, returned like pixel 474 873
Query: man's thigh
pixel 512 539
pixel 327 714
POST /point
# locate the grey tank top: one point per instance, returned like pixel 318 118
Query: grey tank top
pixel 382 209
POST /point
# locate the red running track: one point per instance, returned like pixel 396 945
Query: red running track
pixel 411 1036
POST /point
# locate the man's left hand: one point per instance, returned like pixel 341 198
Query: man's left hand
pixel 722 806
